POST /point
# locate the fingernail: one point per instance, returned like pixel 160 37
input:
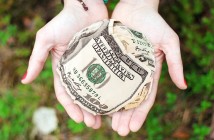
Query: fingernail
pixel 185 82
pixel 24 76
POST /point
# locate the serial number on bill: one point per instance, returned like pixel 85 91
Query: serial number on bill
pixel 84 83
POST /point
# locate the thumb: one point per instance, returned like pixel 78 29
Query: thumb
pixel 174 61
pixel 38 57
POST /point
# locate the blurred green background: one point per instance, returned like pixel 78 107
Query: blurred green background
pixel 175 115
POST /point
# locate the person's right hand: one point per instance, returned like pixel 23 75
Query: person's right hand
pixel 142 16
pixel 54 37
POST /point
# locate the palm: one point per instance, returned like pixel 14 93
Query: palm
pixel 61 35
pixel 150 23
pixel 55 37
pixel 61 29
pixel 147 21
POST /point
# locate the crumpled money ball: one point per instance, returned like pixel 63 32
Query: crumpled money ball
pixel 107 67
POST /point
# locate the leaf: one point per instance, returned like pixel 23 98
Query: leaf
pixel 74 127
pixel 200 131
pixel 60 108
pixel 4 110
pixel 171 98
pixel 181 133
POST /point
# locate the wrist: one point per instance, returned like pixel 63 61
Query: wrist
pixel 145 3
pixel 95 8
pixel 72 2
pixel 83 4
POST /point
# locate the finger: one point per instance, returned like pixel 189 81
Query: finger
pixel 174 61
pixel 123 127
pixel 140 113
pixel 72 109
pixel 38 57
pixel 97 122
pixel 115 120
pixel 89 118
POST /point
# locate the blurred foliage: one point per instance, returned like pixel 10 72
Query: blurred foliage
pixel 176 114
pixel 75 128
pixel 12 116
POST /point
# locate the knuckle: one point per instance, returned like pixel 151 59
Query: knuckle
pixel 42 38
pixel 175 37
pixel 40 35
pixel 42 41
pixel 36 60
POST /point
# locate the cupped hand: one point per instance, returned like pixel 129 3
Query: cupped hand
pixel 145 18
pixel 54 37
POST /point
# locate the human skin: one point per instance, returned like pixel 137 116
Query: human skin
pixel 54 38
pixel 143 16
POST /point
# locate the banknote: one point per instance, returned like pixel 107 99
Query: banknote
pixel 82 38
pixel 138 45
pixel 135 43
pixel 101 73
pixel 143 95
pixel 140 49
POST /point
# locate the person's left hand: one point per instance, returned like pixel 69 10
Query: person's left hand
pixel 145 18
pixel 54 37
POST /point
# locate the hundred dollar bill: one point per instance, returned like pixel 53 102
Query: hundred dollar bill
pixel 101 74
pixel 138 45
pixel 134 42
pixel 143 95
